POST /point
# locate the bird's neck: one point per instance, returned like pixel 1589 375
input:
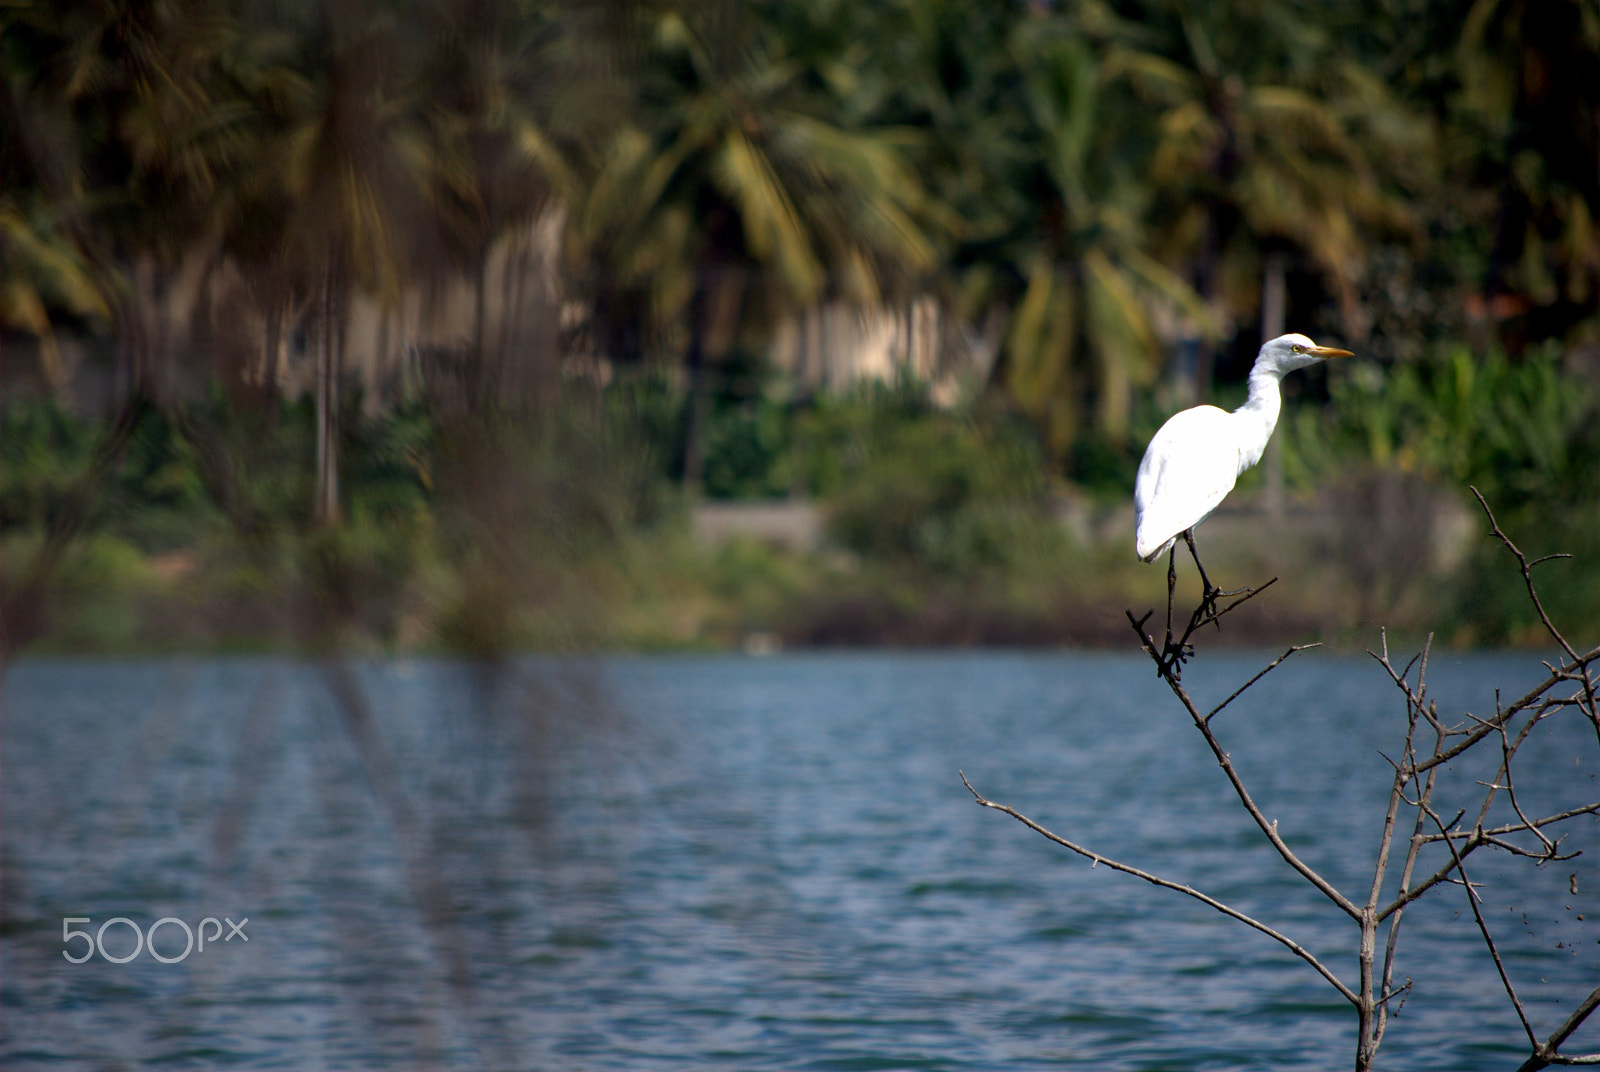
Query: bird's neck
pixel 1260 410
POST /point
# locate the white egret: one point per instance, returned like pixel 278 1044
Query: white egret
pixel 1194 460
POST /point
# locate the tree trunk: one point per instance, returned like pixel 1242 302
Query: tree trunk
pixel 714 316
pixel 485 385
pixel 325 507
pixel 691 461
pixel 1273 302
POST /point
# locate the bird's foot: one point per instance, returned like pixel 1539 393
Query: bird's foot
pixel 1173 655
pixel 1208 611
pixel 1169 660
pixel 1173 651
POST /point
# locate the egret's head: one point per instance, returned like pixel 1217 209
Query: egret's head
pixel 1288 352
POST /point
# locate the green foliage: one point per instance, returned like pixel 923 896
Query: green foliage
pixel 61 471
pixel 938 492
pixel 641 414
pixel 1075 177
pixel 95 606
pixel 355 577
pixel 45 454
pixel 835 435
pixel 1054 161
pixel 748 434
pixel 388 473
pixel 747 447
pixel 1526 433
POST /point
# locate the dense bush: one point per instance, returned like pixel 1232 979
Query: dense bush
pixel 490 531
pixel 1525 433
pixel 943 492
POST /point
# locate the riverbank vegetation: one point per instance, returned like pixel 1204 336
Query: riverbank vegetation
pixel 433 325
pixel 937 526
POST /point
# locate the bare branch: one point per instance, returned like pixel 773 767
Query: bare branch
pixel 1270 667
pixel 1169 660
pixel 1550 855
pixel 1289 943
pixel 1401 678
pixel 1527 576
pixel 1507 750
pixel 1413 850
pixel 1440 876
pixel 1513 828
pixel 1488 938
pixel 1544 1054
pixel 1267 827
pixel 1531 700
pixel 1580 671
pixel 1376 989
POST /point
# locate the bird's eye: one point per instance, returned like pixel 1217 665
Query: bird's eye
pixel 1299 349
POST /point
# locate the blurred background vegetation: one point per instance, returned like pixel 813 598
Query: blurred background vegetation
pixel 453 323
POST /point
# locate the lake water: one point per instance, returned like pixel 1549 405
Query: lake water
pixel 737 863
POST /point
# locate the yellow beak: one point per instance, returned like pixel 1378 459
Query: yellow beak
pixel 1328 351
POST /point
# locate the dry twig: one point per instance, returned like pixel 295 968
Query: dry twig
pixel 1414 786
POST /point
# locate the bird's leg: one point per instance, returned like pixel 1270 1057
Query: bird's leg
pixel 1172 585
pixel 1207 611
pixel 1210 592
pixel 1172 654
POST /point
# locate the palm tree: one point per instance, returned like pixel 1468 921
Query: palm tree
pixel 510 95
pixel 331 195
pixel 44 271
pixel 1093 283
pixel 1270 140
pixel 1272 144
pixel 1032 155
pixel 1525 123
pixel 43 274
pixel 734 185
pixel 119 111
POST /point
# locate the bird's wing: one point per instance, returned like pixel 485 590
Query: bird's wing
pixel 1188 469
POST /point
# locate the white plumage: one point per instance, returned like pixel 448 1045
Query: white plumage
pixel 1194 460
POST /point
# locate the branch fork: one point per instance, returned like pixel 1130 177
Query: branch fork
pixel 1429 743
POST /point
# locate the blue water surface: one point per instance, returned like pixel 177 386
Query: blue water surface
pixel 724 862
